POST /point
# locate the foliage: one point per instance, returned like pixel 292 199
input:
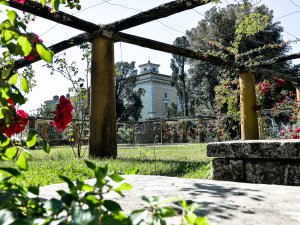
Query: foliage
pixel 279 96
pixel 128 99
pixel 238 33
pixel 179 74
pixel 126 134
pixel 242 34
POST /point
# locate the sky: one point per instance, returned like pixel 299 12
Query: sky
pixel 165 30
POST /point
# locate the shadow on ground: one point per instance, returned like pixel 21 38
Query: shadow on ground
pixel 223 207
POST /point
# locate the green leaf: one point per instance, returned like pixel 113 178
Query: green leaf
pixel 3 2
pixel 78 7
pixel 167 212
pixel 55 5
pixel 123 187
pixel 12 171
pixel 43 2
pixel 116 177
pixel 24 45
pixel 46 146
pixel 31 139
pixel 12 16
pixel 11 152
pixel 92 199
pixel 22 162
pixel 13 79
pixel 44 53
pixel 4 141
pixel 112 205
pixel 9 34
pixel 24 85
pixel 5 73
pixel 201 221
pixel 84 216
pixel 54 205
pixel 137 216
pixel 2 115
pixel 84 187
pixel 67 180
pixel 34 190
pixel 90 165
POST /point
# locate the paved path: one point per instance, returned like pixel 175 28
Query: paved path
pixel 226 203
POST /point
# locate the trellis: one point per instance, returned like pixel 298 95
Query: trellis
pixel 102 141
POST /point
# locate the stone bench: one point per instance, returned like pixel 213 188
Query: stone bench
pixel 256 161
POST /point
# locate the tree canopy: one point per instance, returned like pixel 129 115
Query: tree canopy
pixel 128 99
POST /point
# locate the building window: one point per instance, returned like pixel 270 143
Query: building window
pixel 165 95
pixel 166 105
pixel 145 69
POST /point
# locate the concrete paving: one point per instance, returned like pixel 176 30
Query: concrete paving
pixel 222 202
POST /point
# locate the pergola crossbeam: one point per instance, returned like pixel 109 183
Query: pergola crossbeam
pixel 274 60
pixel 58 17
pixel 158 12
pixel 272 74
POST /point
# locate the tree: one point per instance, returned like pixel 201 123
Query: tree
pixel 179 74
pixel 219 33
pixel 128 100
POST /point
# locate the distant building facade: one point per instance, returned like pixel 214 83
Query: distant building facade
pixel 54 101
pixel 159 94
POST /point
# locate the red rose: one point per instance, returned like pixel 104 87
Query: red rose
pixel 16 125
pixel 63 114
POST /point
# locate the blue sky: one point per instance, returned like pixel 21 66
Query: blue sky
pixel 165 30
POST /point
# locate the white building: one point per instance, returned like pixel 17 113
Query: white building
pixel 159 94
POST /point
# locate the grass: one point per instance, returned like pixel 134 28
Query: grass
pixel 180 161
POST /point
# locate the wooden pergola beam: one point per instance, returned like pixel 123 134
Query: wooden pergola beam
pixel 272 74
pixel 158 12
pixel 274 60
pixel 164 47
pixel 131 39
pixel 56 48
pixel 58 17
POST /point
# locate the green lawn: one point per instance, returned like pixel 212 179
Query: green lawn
pixel 181 161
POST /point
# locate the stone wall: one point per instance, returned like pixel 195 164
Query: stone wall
pixel 257 161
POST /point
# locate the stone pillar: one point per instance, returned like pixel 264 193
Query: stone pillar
pixel 102 142
pixel 249 123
